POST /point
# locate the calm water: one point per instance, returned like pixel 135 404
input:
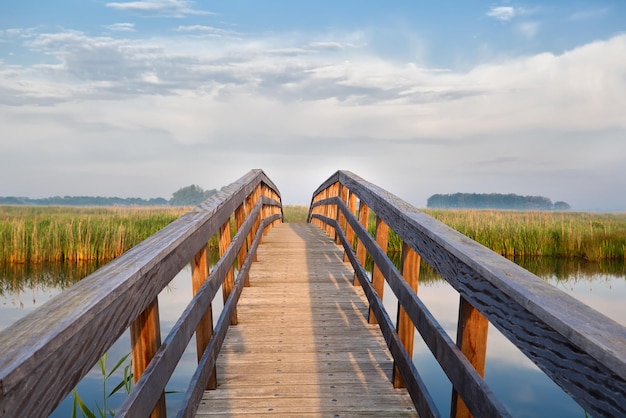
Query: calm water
pixel 516 380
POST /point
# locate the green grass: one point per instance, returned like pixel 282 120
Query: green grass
pixel 295 213
pixel 54 234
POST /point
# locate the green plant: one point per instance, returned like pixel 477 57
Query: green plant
pixel 104 411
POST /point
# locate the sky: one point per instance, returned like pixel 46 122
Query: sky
pixel 141 98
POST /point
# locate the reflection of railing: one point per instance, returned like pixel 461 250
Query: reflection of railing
pixel 44 355
pixel 581 350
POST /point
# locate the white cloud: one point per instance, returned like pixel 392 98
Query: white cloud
pixel 121 27
pixel 277 103
pixel 504 13
pixel 588 14
pixel 169 8
pixel 208 31
pixel 528 29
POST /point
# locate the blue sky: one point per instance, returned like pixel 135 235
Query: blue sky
pixel 140 98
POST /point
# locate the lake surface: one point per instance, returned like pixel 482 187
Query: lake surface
pixel 520 385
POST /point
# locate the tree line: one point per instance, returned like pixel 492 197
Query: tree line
pixel 494 201
pixel 185 196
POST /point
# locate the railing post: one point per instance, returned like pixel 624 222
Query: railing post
pixel 471 338
pixel 364 213
pixel 341 219
pixel 250 202
pixel 240 217
pixel 378 280
pixel 145 338
pixel 410 270
pixel 229 280
pixel 349 230
pixel 204 332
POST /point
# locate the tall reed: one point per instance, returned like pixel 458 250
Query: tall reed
pixel 53 234
pixel 590 236
pixel 582 235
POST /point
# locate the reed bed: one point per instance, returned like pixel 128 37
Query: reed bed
pixel 61 234
pixel 589 236
pixel 580 235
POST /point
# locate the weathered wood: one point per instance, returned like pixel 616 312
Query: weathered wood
pixel 145 338
pixel 406 330
pixel 348 229
pixel 471 338
pixel 204 331
pixel 474 391
pixel 378 280
pixel 68 334
pixel 361 252
pixel 538 318
pixel 229 281
pixel 303 345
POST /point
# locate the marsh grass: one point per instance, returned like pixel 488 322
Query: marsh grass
pixel 295 213
pixel 581 235
pixel 589 236
pixel 61 234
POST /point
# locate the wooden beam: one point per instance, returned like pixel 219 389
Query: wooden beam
pixel 364 213
pixel 471 338
pixel 229 281
pixel 204 331
pixel 145 338
pixel 378 280
pixel 349 230
pixel 410 270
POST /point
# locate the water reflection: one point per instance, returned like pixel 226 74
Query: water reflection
pixel 519 384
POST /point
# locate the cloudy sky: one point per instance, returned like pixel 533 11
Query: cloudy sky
pixel 140 98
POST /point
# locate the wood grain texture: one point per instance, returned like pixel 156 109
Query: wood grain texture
pixel 582 350
pixel 303 345
pixel 45 354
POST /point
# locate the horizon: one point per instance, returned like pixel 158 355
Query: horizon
pixel 135 98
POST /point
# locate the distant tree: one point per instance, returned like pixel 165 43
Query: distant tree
pixel 561 206
pixel 190 196
pixel 493 201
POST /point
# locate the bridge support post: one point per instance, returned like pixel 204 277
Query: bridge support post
pixel 410 270
pixel 145 337
pixel 471 338
pixel 349 230
pixel 229 280
pixel 240 217
pixel 341 219
pixel 204 332
pixel 364 213
pixel 378 279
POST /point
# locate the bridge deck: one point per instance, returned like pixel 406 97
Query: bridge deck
pixel 303 345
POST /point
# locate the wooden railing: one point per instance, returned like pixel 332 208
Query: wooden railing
pixel 44 355
pixel 581 350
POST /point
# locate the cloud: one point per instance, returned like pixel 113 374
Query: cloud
pixel 165 8
pixel 504 13
pixel 528 29
pixel 274 102
pixel 121 27
pixel 588 14
pixel 208 31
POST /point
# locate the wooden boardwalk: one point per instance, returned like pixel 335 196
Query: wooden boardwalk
pixel 303 346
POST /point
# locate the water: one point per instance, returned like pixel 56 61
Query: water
pixel 519 384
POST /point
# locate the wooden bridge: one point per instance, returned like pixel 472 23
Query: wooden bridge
pixel 303 330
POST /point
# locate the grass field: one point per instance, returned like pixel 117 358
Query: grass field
pixel 50 234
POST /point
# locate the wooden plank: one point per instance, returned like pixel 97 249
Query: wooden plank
pixel 67 335
pixel 145 338
pixel 406 329
pixel 303 345
pixel 538 318
pixel 471 338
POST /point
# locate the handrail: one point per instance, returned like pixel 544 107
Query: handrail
pixel 45 354
pixel 580 349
